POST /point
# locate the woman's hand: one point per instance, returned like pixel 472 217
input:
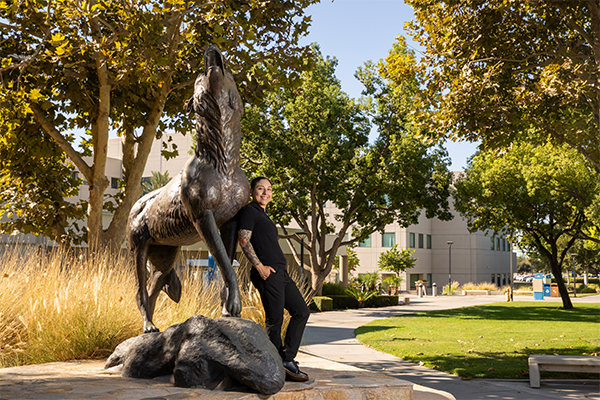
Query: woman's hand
pixel 265 271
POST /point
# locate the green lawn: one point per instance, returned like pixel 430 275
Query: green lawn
pixel 490 341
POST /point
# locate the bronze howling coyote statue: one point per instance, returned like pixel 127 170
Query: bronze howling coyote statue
pixel 198 204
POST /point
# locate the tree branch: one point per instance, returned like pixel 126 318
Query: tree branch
pixel 73 154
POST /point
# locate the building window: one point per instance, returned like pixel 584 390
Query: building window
pixel 498 244
pixel 420 240
pixel 388 239
pixel 493 277
pixel 429 241
pixel 492 241
pixel 411 240
pixel 366 242
pixel 114 183
pixel 503 244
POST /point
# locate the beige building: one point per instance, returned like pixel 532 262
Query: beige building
pixel 472 256
pixel 475 257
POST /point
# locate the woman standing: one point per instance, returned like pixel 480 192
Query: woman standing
pixel 259 240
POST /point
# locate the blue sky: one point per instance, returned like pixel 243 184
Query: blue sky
pixel 354 31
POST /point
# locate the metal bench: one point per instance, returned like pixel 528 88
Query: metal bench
pixel 540 362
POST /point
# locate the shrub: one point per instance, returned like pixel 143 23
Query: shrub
pixel 369 280
pixel 382 301
pixel 343 302
pixel 321 303
pixel 454 287
pixel 360 296
pixel 587 290
pixel 392 283
pixel 594 286
pixel 479 286
pixel 333 289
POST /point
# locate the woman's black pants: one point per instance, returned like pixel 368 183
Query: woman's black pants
pixel 279 292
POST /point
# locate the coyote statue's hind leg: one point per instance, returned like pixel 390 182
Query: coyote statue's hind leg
pixel 162 276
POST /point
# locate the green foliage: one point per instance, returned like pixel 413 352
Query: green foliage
pixel 537 194
pixel 322 303
pixel 450 290
pixel 353 260
pixel 382 301
pixel 505 71
pixel 396 260
pixel 369 280
pixel 35 180
pixel 156 181
pixel 343 302
pixel 480 344
pixel 524 265
pixel 123 67
pixel 312 142
pixel 359 295
pixel 333 288
pixel 392 281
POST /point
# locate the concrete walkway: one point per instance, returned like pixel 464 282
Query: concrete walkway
pixel 330 335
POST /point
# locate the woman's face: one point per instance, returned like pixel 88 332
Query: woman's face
pixel 262 193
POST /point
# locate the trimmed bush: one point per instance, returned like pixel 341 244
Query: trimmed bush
pixel 343 302
pixel 587 290
pixel 382 301
pixel 321 303
pixel 333 289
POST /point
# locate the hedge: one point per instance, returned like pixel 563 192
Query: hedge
pixel 343 302
pixel 382 301
pixel 321 303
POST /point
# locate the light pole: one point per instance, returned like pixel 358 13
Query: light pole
pixel 449 265
pixel 301 235
pixel 511 270
pixel 573 255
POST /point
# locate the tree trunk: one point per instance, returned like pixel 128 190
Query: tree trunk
pixel 317 280
pixel 562 289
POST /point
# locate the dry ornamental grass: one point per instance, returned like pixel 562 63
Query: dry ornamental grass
pixel 59 306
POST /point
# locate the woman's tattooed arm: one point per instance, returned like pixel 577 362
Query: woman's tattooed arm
pixel 244 240
pixel 244 236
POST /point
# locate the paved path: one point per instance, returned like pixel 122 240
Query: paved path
pixel 331 335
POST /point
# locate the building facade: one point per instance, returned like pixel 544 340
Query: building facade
pixel 472 256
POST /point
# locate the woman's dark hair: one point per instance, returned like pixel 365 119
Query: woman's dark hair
pixel 256 180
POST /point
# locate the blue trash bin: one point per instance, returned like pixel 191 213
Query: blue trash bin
pixel 547 289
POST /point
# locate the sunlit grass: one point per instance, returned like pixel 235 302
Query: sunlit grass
pixel 489 341
pixel 58 306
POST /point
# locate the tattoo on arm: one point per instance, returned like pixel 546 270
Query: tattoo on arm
pixel 244 239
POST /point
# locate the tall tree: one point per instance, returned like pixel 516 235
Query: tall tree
pixel 32 163
pixel 127 66
pixel 500 71
pixel 536 194
pixel 313 143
